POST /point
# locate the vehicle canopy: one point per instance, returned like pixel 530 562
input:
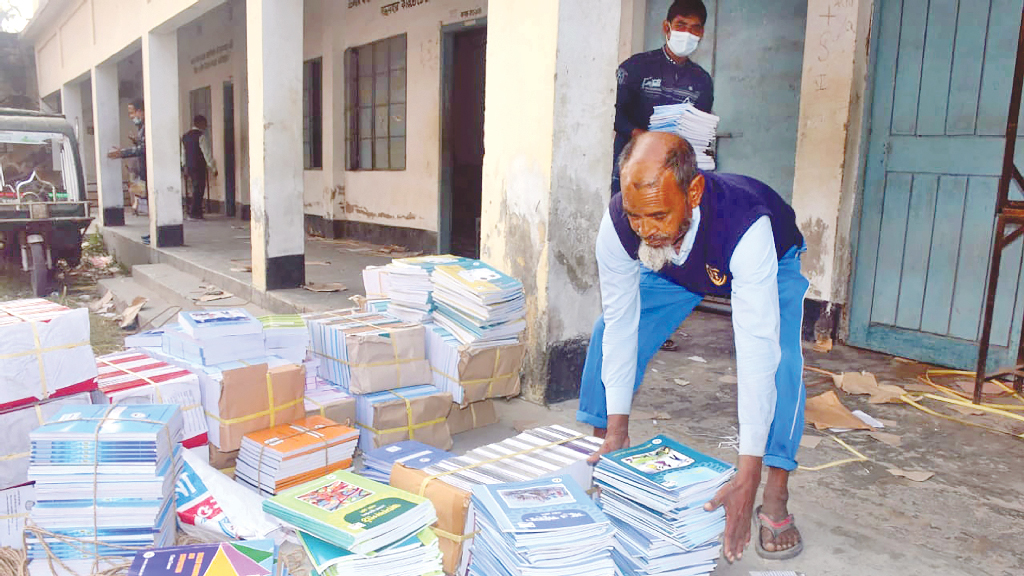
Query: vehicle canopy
pixel 39 154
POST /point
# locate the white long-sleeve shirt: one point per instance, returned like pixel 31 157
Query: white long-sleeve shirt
pixel 204 146
pixel 755 318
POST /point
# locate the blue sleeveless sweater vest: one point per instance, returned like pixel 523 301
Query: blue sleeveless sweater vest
pixel 730 205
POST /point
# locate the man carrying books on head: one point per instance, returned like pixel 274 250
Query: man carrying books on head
pixel 672 236
pixel 662 77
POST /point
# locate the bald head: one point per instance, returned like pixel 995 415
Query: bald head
pixel 660 187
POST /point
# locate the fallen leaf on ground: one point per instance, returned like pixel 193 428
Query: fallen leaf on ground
pixel 317 263
pixel 810 442
pixel 915 475
pixel 682 382
pixel 826 411
pixel 131 313
pixel 728 379
pixel 697 359
pixel 886 438
pixel 327 287
pixel 865 383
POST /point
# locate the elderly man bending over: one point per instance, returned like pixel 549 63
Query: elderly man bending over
pixel 672 236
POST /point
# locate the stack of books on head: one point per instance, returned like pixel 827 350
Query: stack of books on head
pixel 44 352
pixel 278 458
pixel 286 336
pixel 655 493
pixel 377 463
pixel 214 336
pixel 409 285
pixel 249 558
pixel 478 304
pixel 105 476
pixel 696 127
pixel 545 526
pixel 368 352
pixel 352 525
pixel 412 413
pixel 548 452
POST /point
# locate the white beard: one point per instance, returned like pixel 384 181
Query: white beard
pixel 656 258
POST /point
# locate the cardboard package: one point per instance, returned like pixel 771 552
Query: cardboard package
pixel 17 423
pixel 44 352
pixel 476 415
pixel 331 403
pixel 538 453
pixel 413 413
pixel 243 397
pixel 368 352
pixel 136 378
pixel 223 461
pixel 473 373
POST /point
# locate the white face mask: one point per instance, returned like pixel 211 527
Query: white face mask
pixel 682 43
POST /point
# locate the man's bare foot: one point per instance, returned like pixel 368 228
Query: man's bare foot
pixel 785 535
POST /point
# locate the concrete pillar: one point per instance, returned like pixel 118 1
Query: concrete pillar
pixel 107 128
pixel 550 66
pixel 71 104
pixel 274 54
pixel 829 150
pixel 163 151
pixel 631 31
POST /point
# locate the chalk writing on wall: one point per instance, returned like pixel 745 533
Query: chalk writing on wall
pixel 212 57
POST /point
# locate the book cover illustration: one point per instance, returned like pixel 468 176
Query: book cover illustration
pixel 249 558
pixel 668 463
pixel 336 495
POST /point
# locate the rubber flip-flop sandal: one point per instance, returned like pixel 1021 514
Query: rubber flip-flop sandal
pixel 669 346
pixel 776 528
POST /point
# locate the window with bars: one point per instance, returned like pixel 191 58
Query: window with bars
pixel 375 77
pixel 312 114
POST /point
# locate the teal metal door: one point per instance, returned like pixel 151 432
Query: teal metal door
pixel 941 92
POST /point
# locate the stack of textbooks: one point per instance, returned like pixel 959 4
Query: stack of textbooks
pixel 411 413
pixel 278 458
pixel 286 336
pixel 545 526
pixel 377 463
pixel 654 493
pixel 696 127
pixel 104 475
pixel 477 303
pixel 249 558
pixel 214 337
pixel 353 525
pixel 409 286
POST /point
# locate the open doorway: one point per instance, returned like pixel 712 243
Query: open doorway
pixel 462 137
pixel 200 103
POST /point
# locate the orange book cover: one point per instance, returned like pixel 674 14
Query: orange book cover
pixel 302 437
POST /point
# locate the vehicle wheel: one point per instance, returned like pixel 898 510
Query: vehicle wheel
pixel 39 272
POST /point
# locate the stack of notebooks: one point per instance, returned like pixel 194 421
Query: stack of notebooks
pixel 696 127
pixel 409 285
pixel 377 463
pixel 286 336
pixel 654 493
pixel 214 337
pixel 278 458
pixel 411 413
pixel 249 558
pixel 477 303
pixel 104 475
pixel 475 371
pixel 545 526
pixel 352 525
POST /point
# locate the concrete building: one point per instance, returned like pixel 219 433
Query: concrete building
pixel 878 119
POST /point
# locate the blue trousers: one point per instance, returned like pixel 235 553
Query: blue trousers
pixel 664 306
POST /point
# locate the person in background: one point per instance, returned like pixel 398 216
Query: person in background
pixel 661 77
pixel 197 162
pixel 138 188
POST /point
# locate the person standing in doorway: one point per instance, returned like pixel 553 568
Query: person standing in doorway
pixel 197 163
pixel 662 77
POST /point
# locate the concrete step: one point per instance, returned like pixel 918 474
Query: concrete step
pixel 154 314
pixel 181 288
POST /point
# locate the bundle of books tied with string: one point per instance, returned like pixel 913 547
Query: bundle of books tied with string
pixel 654 493
pixel 696 127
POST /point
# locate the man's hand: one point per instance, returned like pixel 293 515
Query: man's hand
pixel 738 498
pixel 616 438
